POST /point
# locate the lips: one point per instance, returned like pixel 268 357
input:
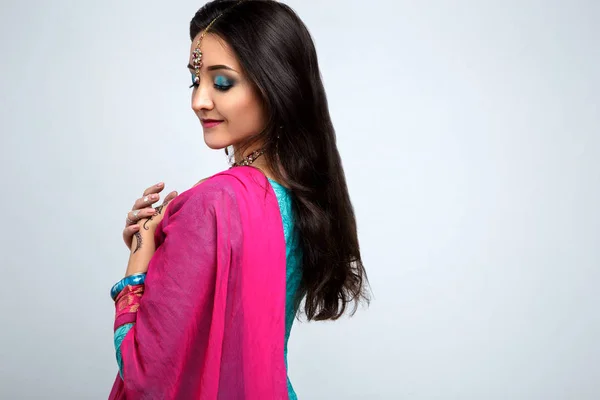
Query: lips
pixel 209 123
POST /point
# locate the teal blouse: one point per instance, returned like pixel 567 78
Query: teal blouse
pixel 293 256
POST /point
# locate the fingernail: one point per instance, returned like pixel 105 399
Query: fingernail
pixel 159 184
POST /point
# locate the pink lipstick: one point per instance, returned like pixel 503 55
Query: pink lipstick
pixel 210 123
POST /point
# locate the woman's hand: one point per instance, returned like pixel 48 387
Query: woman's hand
pixel 142 244
pixel 142 209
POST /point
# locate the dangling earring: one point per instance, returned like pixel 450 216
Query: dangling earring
pixel 230 154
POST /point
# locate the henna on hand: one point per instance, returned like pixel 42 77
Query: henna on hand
pixel 138 245
pixel 159 210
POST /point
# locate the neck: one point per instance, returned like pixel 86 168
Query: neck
pixel 239 156
pixel 259 163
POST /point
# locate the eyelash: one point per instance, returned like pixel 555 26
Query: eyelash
pixel 220 88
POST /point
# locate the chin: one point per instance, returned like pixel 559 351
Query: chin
pixel 215 142
pixel 214 146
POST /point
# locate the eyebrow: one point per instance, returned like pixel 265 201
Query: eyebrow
pixel 214 67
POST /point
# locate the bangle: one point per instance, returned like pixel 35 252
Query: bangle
pixel 135 279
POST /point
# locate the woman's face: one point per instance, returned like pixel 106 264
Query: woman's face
pixel 224 94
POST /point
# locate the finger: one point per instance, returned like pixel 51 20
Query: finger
pixel 170 196
pixel 134 216
pixel 146 201
pixel 154 189
pixel 168 200
pixel 128 234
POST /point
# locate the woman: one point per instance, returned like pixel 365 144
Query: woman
pixel 217 274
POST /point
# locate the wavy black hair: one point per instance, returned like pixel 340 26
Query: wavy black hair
pixel 278 56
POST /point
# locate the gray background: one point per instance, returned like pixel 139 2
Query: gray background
pixel 470 136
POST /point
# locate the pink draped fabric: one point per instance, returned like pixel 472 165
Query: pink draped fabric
pixel 211 322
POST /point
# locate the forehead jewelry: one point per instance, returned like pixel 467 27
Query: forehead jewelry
pixel 197 53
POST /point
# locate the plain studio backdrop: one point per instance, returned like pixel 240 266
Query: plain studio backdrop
pixel 470 136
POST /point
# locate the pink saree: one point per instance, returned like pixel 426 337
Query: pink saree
pixel 211 322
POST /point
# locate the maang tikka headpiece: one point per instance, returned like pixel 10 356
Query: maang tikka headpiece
pixel 197 53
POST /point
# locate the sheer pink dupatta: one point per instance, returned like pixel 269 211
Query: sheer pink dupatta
pixel 211 322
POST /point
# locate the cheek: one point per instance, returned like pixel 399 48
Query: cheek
pixel 245 114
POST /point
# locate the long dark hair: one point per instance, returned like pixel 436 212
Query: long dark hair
pixel 278 55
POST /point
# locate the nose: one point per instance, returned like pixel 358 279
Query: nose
pixel 201 99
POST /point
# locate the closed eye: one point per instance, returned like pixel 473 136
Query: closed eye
pixel 222 83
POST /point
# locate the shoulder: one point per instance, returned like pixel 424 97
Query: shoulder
pixel 200 181
pixel 240 184
pixel 238 197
